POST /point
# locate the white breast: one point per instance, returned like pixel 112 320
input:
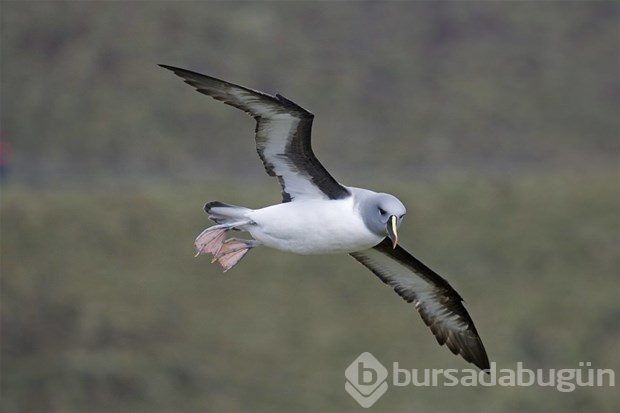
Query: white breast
pixel 312 227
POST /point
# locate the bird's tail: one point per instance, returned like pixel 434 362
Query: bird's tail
pixel 222 213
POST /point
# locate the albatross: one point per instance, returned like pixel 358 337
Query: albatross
pixel 318 215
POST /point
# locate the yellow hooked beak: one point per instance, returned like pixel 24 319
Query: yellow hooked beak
pixel 392 230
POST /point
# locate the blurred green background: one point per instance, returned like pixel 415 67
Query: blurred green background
pixel 495 122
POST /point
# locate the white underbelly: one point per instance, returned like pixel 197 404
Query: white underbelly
pixel 312 227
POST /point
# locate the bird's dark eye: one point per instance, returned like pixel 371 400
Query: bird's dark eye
pixel 381 211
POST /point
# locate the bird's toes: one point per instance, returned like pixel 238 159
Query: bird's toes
pixel 210 241
pixel 230 259
pixel 231 252
pixel 229 246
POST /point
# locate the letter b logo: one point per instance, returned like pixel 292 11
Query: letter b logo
pixel 366 373
pixel 366 379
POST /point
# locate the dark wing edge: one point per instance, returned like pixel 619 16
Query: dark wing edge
pixel 220 90
pixel 439 305
pixel 283 136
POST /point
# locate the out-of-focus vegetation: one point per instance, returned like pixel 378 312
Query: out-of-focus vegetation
pixel 495 122
pixel 472 85
pixel 104 308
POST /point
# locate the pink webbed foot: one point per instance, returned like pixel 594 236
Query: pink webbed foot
pixel 232 251
pixel 210 240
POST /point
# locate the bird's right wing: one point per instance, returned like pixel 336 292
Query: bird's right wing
pixel 439 305
pixel 283 131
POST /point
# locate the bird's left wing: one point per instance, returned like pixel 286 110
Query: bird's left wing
pixel 439 305
pixel 283 131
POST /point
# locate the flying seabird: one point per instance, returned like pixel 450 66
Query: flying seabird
pixel 318 215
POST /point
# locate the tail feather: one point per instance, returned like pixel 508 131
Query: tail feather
pixel 222 213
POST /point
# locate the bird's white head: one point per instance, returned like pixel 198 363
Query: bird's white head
pixel 383 214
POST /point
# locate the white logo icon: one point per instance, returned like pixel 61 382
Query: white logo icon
pixel 366 379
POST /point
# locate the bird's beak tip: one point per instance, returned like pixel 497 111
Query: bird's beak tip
pixel 392 230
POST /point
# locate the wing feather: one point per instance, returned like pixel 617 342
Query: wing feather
pixel 439 305
pixel 283 136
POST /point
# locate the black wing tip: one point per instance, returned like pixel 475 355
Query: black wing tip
pixel 471 352
pixel 184 73
pixel 475 354
pixel 173 68
pixel 481 360
pixel 179 71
